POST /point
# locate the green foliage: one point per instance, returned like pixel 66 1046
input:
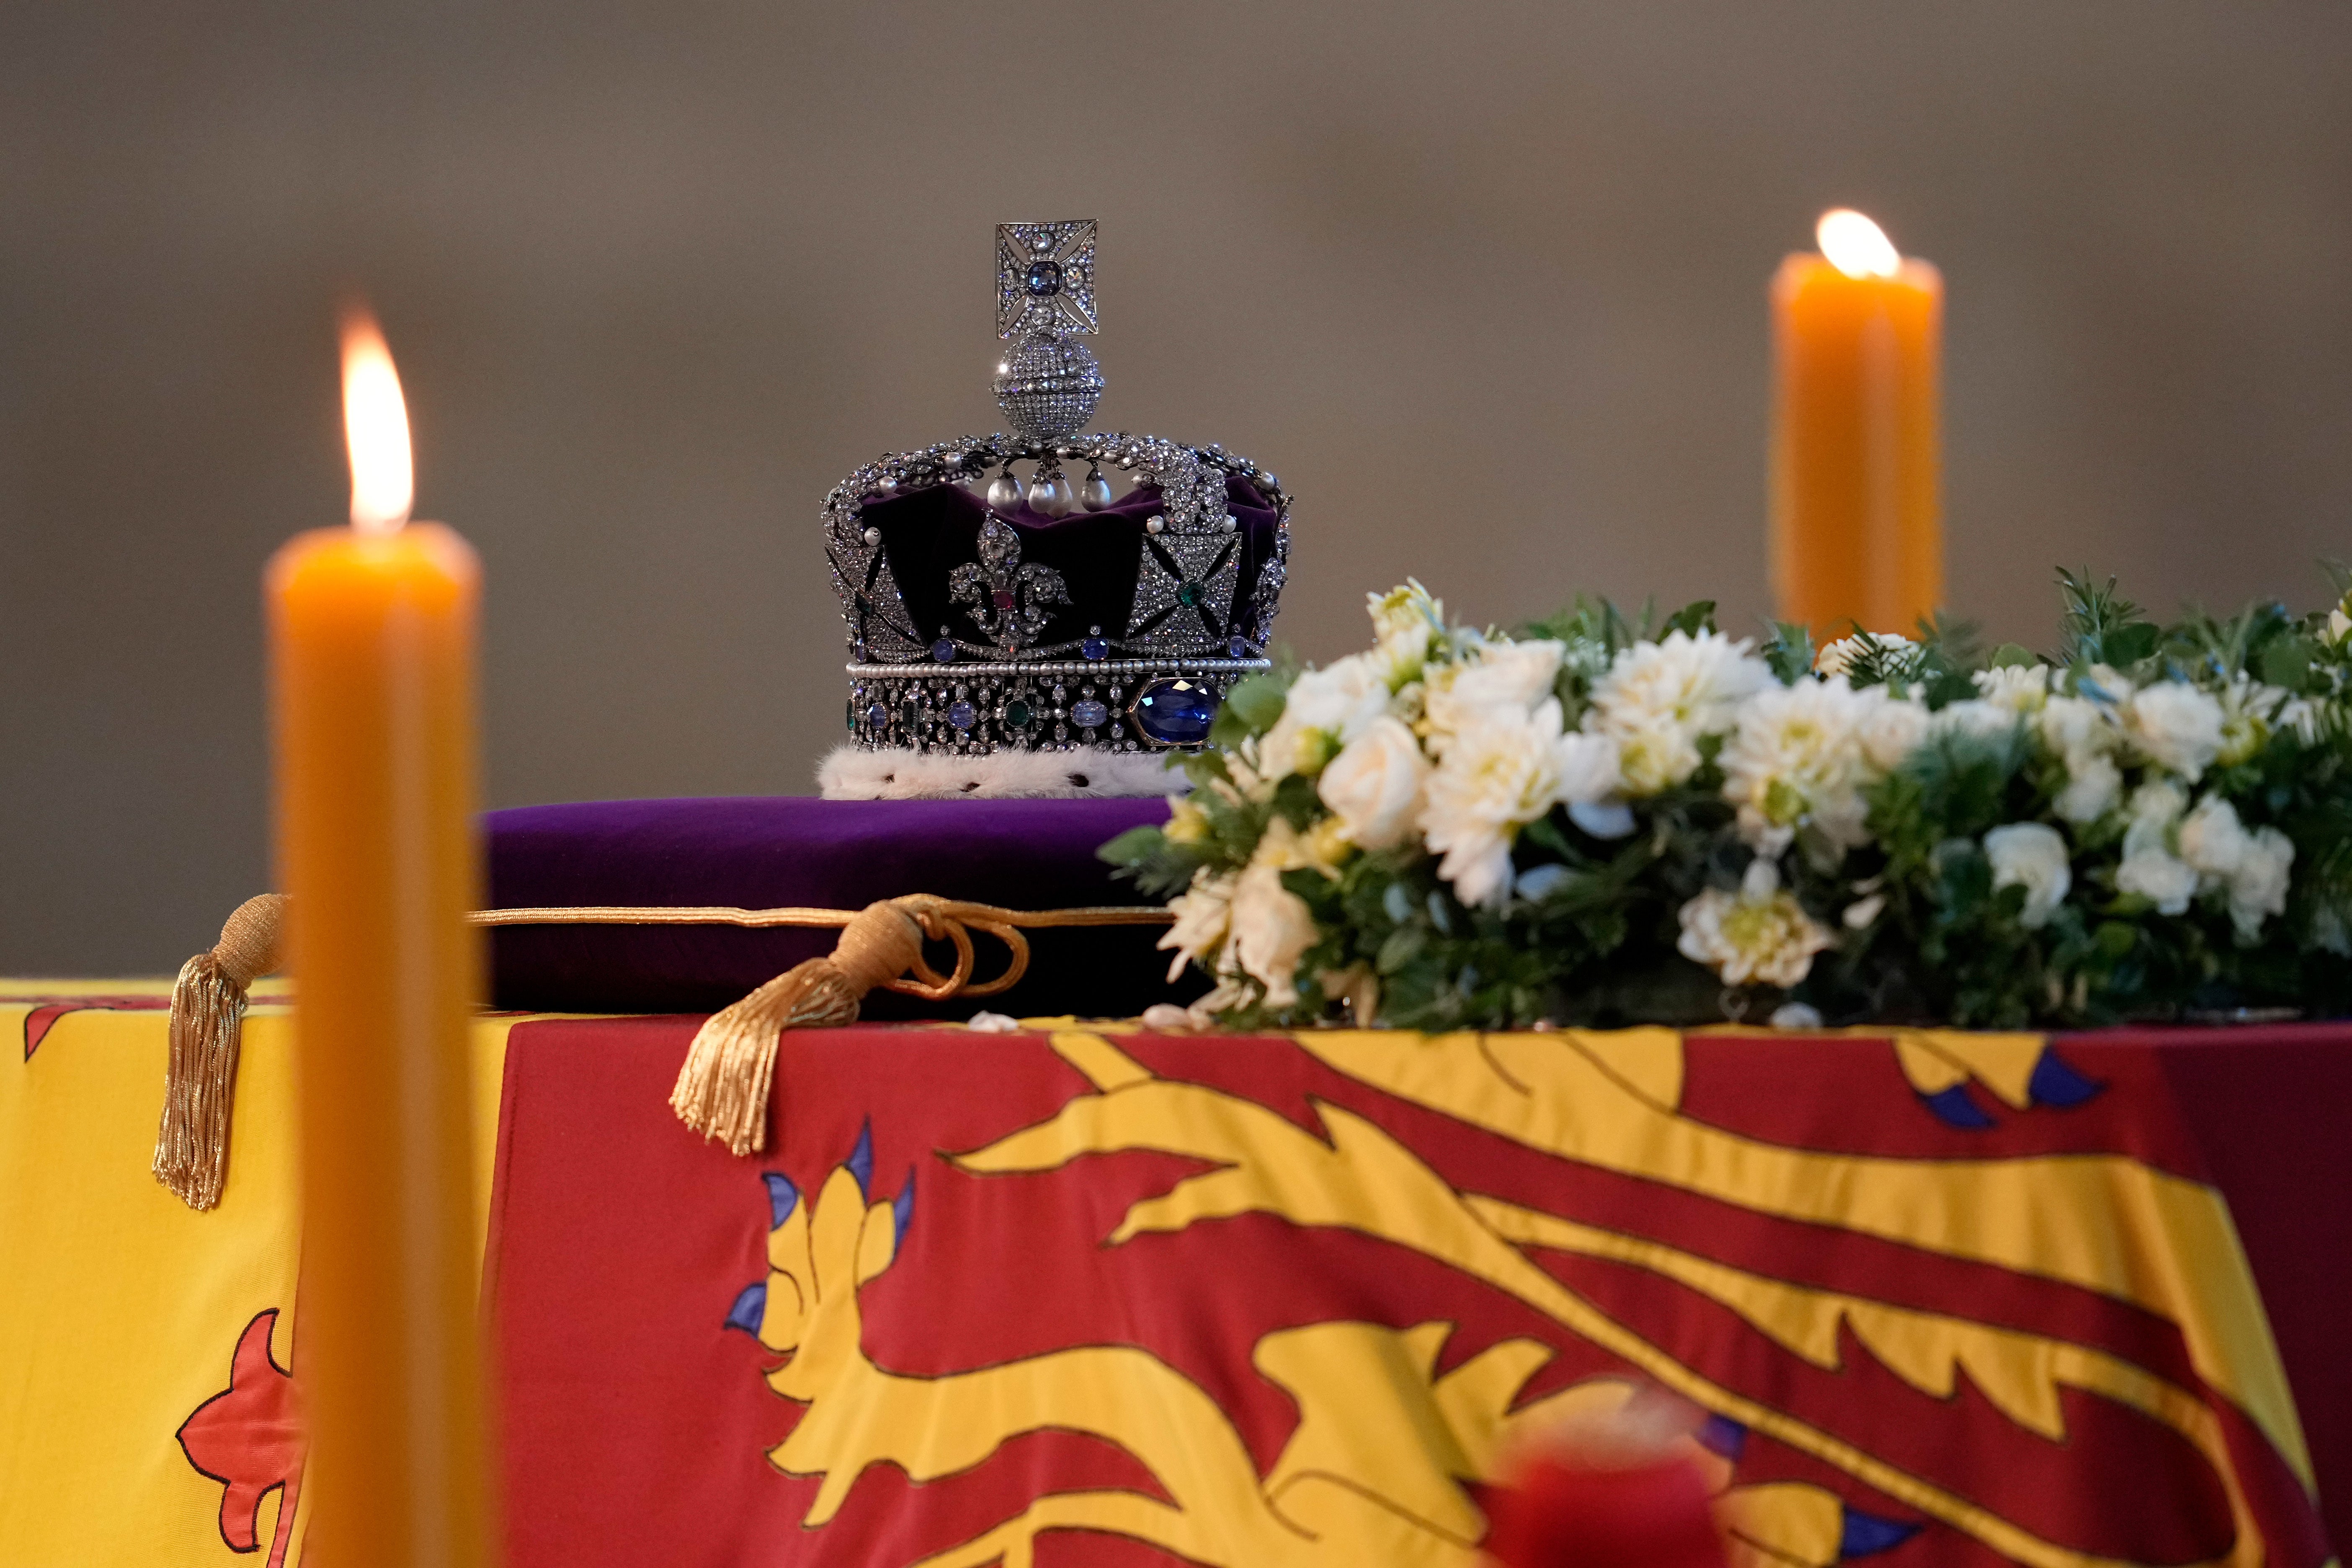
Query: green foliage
pixel 2100 626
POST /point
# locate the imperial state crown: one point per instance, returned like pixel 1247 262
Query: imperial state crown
pixel 1037 637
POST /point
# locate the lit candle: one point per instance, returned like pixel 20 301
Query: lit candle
pixel 1857 523
pixel 371 656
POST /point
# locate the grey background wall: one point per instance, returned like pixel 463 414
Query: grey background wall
pixel 1485 284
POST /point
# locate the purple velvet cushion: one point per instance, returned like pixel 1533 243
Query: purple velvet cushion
pixel 760 852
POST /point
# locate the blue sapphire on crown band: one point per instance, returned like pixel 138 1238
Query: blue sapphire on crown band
pixel 1174 712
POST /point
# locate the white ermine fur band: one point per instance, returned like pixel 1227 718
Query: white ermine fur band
pixel 898 773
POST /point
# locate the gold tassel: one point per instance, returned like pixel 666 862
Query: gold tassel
pixel 200 1076
pixel 723 1089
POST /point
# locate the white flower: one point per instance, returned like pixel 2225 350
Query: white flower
pixel 1498 774
pixel 2175 726
pixel 2032 856
pixel 2251 868
pixel 2076 727
pixel 1404 619
pixel 2020 688
pixel 1892 728
pixel 1502 679
pixel 1203 914
pixel 1660 698
pixel 2213 840
pixel 2093 784
pixel 2249 709
pixel 1758 934
pixel 1795 1016
pixel 1859 914
pixel 1374 785
pixel 1272 930
pixel 2340 620
pixel 1325 709
pixel 2259 890
pixel 2150 866
pixel 1976 718
pixel 1837 658
pixel 1797 761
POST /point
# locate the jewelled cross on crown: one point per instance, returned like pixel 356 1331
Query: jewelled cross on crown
pixel 1046 276
pixel 1047 383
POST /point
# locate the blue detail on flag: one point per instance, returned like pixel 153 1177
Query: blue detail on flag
pixel 2055 1083
pixel 1722 1435
pixel 749 1308
pixel 782 1198
pixel 1866 1534
pixel 861 1160
pixel 902 1209
pixel 1954 1107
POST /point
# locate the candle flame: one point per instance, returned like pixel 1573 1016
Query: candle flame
pixel 375 425
pixel 1855 246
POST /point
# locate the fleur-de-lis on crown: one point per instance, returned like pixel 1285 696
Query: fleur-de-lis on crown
pixel 1008 600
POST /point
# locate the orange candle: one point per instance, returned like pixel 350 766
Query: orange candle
pixel 371 655
pixel 1858 520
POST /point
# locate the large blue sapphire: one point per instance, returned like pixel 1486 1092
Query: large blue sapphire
pixel 1175 712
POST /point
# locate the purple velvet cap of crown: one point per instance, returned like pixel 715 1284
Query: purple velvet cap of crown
pixel 765 852
pixel 928 534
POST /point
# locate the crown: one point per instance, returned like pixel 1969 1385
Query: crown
pixel 994 617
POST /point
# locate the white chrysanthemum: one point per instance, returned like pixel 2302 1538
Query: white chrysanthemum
pixel 1271 930
pixel 1323 711
pixel 1501 679
pixel 2250 711
pixel 2213 840
pixel 2032 856
pixel 1374 785
pixel 1836 658
pixel 2021 688
pixel 2175 726
pixel 1405 622
pixel 1203 915
pixel 1758 935
pixel 1498 774
pixel 1796 759
pixel 1659 700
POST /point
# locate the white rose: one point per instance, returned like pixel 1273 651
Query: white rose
pixel 2076 727
pixel 1504 680
pixel 2259 887
pixel 1323 711
pixel 2020 688
pixel 1374 785
pixel 1203 913
pixel 2175 726
pixel 1759 935
pixel 1660 698
pixel 2150 866
pixel 2093 784
pixel 1976 718
pixel 1496 775
pixel 1271 930
pixel 2164 881
pixel 2032 856
pixel 2213 841
pixel 1892 728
